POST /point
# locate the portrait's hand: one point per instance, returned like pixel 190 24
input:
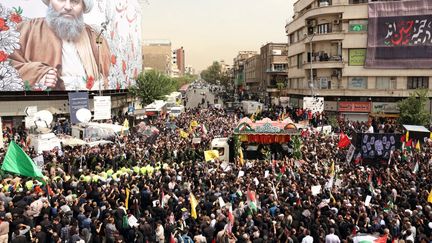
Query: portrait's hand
pixel 50 78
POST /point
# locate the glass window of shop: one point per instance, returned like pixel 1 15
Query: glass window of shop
pixel 357 83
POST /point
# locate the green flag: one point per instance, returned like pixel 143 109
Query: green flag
pixel 18 162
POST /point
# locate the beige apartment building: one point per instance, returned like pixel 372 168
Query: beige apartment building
pixel 266 72
pixel 239 70
pixel 157 55
pixel 252 74
pixel 329 39
pixel 274 67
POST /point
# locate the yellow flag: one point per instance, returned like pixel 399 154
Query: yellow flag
pixel 418 145
pixel 332 198
pixel 211 154
pixel 193 203
pixel 332 169
pixel 194 123
pixel 430 135
pixel 127 198
pixel 241 160
pixel 184 134
pixel 125 126
pixel 430 197
pixel 407 136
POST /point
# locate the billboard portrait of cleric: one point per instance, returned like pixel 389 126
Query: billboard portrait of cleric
pixel 60 51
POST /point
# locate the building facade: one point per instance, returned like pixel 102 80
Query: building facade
pixel 253 76
pixel 239 68
pixel 274 69
pixel 329 56
pixel 178 60
pixel 157 55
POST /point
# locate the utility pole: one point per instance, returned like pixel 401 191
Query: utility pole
pixel 311 84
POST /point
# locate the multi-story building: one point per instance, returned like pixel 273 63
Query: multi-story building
pixel 274 69
pixel 329 54
pixel 239 68
pixel 178 60
pixel 253 76
pixel 157 55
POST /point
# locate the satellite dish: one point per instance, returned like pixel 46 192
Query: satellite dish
pixel 43 118
pixel 83 115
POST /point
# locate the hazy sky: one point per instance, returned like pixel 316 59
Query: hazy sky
pixel 214 30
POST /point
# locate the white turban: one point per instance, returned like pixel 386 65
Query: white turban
pixel 88 5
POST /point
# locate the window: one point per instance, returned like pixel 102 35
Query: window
pixel 360 25
pixel 279 67
pixel 358 1
pixel 385 83
pixel 357 83
pixel 291 39
pixel 417 82
pixel 299 60
pixel 323 28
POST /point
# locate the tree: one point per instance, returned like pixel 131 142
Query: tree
pixel 412 109
pixel 152 85
pixel 213 74
pixel 186 79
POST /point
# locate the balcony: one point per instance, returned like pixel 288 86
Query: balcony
pixel 331 35
pixel 272 70
pixel 323 60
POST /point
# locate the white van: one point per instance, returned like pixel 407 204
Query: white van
pixel 176 110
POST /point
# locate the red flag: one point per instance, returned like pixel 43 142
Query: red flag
pixel 283 169
pixel 251 195
pixel 402 138
pixel 409 143
pixel 358 158
pixel 172 240
pixel 343 140
pixel 382 239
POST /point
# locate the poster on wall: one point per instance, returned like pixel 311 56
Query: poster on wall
pixel 95 47
pixel 357 57
pixel 77 100
pixel 378 145
pixel 102 107
pixel 399 35
pixel 314 104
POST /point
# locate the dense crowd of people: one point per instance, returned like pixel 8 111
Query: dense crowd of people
pixel 144 190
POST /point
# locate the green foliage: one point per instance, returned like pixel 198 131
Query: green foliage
pixel 297 144
pixel 332 120
pixel 152 85
pixel 237 145
pixel 214 73
pixel 412 109
pixel 186 79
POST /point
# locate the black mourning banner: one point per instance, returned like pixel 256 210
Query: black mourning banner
pixel 377 145
pixel 399 35
pixel 404 37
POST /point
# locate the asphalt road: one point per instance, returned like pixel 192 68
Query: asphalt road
pixel 195 97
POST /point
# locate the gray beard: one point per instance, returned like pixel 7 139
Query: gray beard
pixel 65 28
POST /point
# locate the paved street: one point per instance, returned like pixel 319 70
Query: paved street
pixel 195 96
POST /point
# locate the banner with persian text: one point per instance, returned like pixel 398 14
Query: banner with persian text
pixel 400 35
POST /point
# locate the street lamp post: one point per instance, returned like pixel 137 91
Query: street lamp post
pixel 311 84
